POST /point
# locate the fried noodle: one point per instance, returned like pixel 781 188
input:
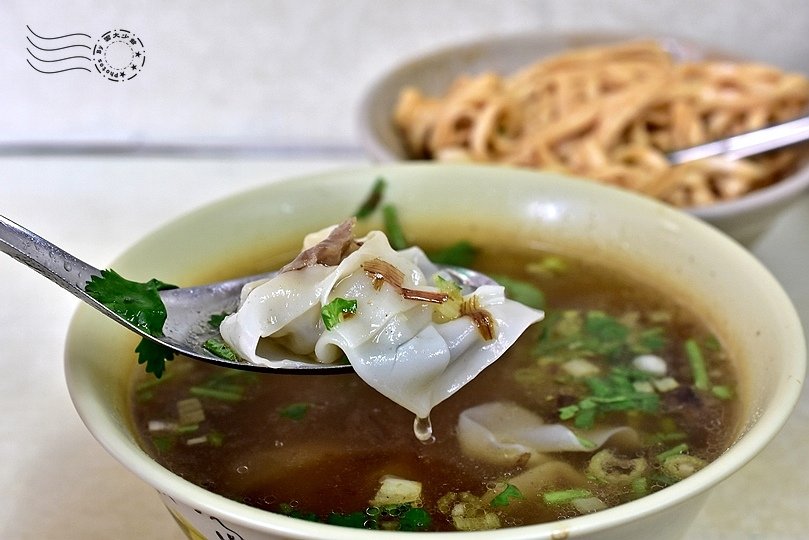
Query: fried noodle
pixel 611 114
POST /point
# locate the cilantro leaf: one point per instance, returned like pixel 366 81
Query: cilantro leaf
pixel 154 355
pixel 614 392
pixel 333 312
pixel 216 320
pixel 570 334
pixel 607 332
pixel 140 304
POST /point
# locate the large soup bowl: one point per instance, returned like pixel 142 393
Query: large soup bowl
pixel 660 245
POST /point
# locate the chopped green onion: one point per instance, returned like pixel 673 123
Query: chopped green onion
pixel 372 200
pixel 215 438
pixel 223 395
pixel 722 392
pixel 565 496
pixel 220 349
pixel 697 362
pixel 682 466
pixel 674 451
pixel 640 486
pixel 393 227
pixel 606 467
pixel 333 312
pixel 667 437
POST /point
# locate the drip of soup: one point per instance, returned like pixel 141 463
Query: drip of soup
pixel 619 392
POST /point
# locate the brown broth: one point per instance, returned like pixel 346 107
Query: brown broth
pixel 330 458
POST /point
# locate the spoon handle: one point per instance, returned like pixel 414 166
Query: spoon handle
pixel 747 144
pixel 54 263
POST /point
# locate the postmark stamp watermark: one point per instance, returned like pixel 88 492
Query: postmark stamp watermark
pixel 117 55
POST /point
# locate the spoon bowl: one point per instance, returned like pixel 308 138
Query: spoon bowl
pixel 189 309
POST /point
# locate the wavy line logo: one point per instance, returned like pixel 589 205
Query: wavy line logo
pixel 118 55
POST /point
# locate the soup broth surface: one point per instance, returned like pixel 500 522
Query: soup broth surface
pixel 317 446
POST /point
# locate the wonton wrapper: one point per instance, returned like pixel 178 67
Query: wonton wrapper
pixel 391 342
pixel 502 433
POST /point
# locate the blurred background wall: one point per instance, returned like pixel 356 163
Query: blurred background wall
pixel 289 74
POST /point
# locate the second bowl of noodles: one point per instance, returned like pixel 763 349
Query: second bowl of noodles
pixel 604 107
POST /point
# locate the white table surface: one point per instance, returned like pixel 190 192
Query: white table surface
pixel 57 482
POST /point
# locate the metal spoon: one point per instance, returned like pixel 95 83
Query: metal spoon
pixel 747 144
pixel 189 309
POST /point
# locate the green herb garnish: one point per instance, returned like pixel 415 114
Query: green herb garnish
pixel 397 517
pixel 138 303
pixel 674 451
pixel 216 320
pixel 569 334
pixel 334 312
pixel 614 392
pixel 722 392
pixel 355 520
pixel 141 305
pixel 295 411
pixel 372 200
pixel 699 370
pixel 215 439
pixel 640 487
pixel 522 291
pixel 154 356
pixel 215 393
pixel 414 519
pixel 461 253
pixel 393 228
pixel 291 511
pixel 565 496
pixel 509 493
pixel 220 349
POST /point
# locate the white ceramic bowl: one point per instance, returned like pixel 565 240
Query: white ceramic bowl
pixel 745 219
pixel 688 258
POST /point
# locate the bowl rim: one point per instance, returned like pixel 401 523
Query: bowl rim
pixel 105 429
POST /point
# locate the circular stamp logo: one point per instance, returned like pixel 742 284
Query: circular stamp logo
pixel 119 55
